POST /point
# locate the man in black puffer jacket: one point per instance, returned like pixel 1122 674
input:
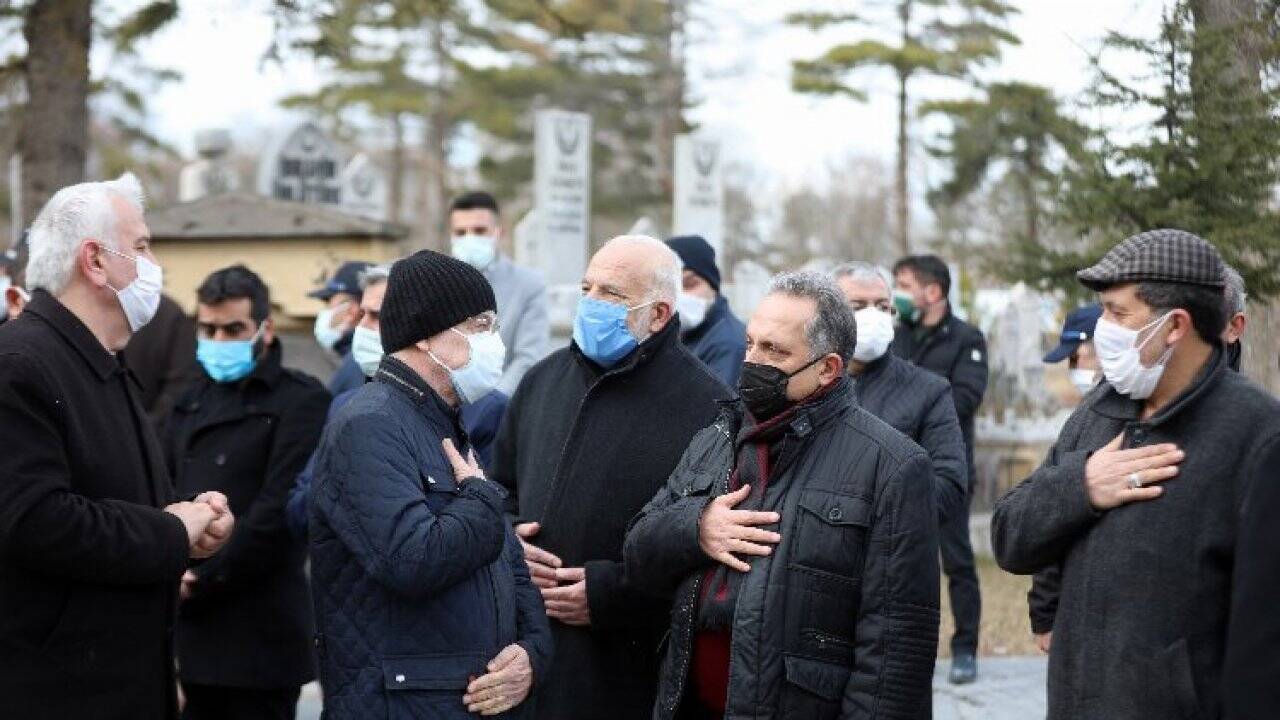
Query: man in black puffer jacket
pixel 590 434
pixel 834 615
pixel 914 401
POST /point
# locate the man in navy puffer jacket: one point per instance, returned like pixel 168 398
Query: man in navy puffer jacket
pixel 424 606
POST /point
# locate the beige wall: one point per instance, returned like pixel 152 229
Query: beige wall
pixel 291 268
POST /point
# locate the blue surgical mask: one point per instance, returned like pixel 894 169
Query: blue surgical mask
pixel 478 251
pixel 366 349
pixel 601 332
pixel 227 360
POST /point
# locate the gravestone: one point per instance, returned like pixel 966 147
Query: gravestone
pixel 562 196
pixel 302 166
pixel 364 189
pixel 211 174
pixel 699 190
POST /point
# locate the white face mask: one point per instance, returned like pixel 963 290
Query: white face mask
pixel 1084 380
pixel 875 333
pixel 326 334
pixel 1120 354
pixel 693 310
pixel 478 251
pixel 141 298
pixel 366 349
pixel 483 371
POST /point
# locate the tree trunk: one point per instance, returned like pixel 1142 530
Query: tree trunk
pixel 901 189
pixel 1233 22
pixel 435 171
pixel 671 100
pixel 395 186
pixel 54 140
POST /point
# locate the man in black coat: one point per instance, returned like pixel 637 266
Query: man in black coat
pixel 912 400
pixel 1144 498
pixel 92 545
pixel 244 632
pixel 801 534
pixel 707 325
pixel 934 339
pixel 591 433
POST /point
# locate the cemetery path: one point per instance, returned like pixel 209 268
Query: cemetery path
pixel 1007 689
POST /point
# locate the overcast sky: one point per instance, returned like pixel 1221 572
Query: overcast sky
pixel 740 70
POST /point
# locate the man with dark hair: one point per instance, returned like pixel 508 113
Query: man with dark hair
pixel 244 632
pixel 800 536
pixel 335 324
pixel 707 326
pixel 931 337
pixel 475 229
pixel 1141 499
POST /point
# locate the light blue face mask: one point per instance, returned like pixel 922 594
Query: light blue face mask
pixel 601 332
pixel 478 251
pixel 227 360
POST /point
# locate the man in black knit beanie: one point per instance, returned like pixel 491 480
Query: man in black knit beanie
pixel 424 605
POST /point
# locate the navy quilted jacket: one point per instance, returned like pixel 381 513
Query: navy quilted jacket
pixel 418 581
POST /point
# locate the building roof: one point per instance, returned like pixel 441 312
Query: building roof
pixel 246 215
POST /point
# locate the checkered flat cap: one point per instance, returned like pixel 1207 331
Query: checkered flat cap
pixel 1173 256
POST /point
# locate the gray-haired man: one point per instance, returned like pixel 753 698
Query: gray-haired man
pixel 801 535
pixel 914 401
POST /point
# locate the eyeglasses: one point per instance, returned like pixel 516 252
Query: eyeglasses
pixel 483 323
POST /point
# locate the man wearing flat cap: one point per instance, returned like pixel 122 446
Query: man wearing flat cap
pixel 1142 497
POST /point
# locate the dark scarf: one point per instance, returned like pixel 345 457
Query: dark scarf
pixel 763 451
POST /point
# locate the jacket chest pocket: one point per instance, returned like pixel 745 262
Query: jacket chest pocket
pixel 831 532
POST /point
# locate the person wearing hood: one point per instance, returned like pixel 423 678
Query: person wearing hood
pixel 1143 496
pixel 424 606
pixel 707 326
pixel 335 324
pixel 480 419
pixel 800 536
pixel 914 401
pixel 592 431
pixel 475 231
pixel 247 427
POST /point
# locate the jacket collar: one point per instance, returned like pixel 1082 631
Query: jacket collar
pixel 715 314
pixel 804 419
pixel 268 369
pixel 875 367
pixel 392 371
pixel 1119 407
pixel 655 344
pixel 75 333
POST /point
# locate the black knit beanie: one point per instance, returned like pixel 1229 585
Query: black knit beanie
pixel 697 255
pixel 428 293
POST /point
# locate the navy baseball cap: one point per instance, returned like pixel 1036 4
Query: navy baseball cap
pixel 1077 328
pixel 346 279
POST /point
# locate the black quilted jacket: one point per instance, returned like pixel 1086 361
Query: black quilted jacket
pixel 841 621
pixel 418 582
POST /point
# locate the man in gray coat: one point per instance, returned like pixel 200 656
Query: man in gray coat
pixel 475 227
pixel 1140 497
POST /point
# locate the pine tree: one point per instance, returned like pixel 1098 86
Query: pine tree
pixel 941 38
pixel 1207 163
